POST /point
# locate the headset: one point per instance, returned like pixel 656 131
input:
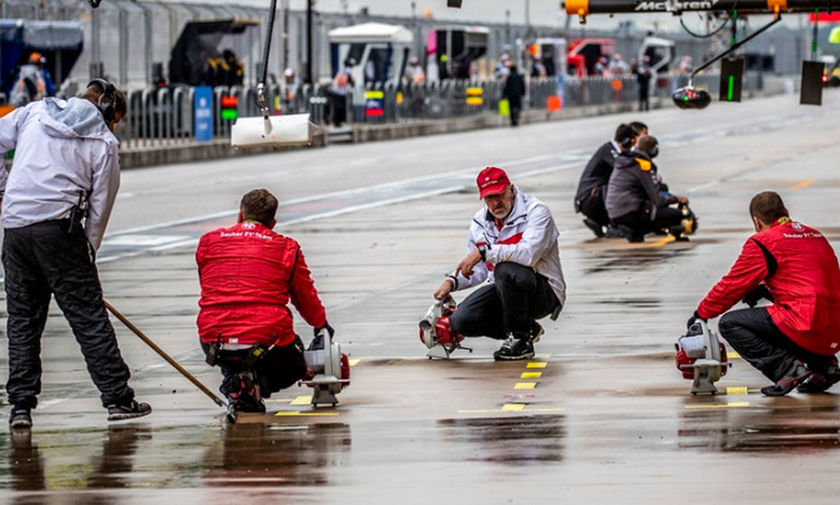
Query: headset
pixel 107 100
pixel 627 134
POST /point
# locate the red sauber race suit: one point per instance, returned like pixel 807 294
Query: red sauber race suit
pixel 800 269
pixel 248 275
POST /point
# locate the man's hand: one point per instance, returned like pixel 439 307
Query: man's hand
pixel 329 329
pixel 682 200
pixel 444 289
pixel 693 319
pixel 465 267
pixel 318 336
pixel 753 297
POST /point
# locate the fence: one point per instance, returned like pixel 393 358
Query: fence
pixel 165 116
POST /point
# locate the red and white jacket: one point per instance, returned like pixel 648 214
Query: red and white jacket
pixel 799 267
pixel 248 275
pixel 528 237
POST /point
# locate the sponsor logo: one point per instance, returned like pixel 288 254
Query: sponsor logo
pixel 688 5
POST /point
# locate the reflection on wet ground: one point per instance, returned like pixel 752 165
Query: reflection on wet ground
pixel 781 430
pixel 619 260
pixel 258 454
pixel 519 440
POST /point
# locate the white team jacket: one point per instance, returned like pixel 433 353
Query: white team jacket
pixel 63 149
pixel 528 237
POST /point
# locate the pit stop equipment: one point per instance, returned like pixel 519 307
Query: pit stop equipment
pixel 328 372
pixel 701 357
pixel 267 130
pixel 689 220
pixel 690 97
pixel 435 330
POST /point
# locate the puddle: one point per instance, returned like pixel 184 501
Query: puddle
pixel 506 440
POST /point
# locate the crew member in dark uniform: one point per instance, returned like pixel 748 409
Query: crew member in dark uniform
pixel 635 199
pixel 591 193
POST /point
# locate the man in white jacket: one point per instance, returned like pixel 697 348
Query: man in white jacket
pixel 512 244
pixel 57 199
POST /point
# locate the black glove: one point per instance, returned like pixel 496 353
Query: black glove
pixel 693 319
pixel 326 327
pixel 753 297
pixel 318 339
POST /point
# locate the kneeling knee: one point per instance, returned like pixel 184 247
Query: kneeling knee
pixel 727 325
pixel 508 271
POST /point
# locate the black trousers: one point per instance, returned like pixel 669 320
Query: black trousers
pixel 517 298
pixel 515 111
pixel 338 108
pixel 278 369
pixel 41 260
pixel 762 344
pixel 592 206
pixel 640 222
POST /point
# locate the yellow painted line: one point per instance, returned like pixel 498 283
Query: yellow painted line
pixel 515 407
pixel 740 390
pixel 525 385
pixel 353 362
pixel 530 375
pixel 536 364
pixel 733 355
pixel 301 400
pixel 641 245
pixel 279 400
pixel 718 405
pixel 542 355
pixel 666 240
pixel 292 413
pixel 803 184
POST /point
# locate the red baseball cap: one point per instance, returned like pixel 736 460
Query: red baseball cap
pixel 492 181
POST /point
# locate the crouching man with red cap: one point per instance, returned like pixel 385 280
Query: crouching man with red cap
pixel 512 244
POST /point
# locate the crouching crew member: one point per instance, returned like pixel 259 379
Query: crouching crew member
pixel 591 193
pixel 512 242
pixel 635 198
pixel 794 340
pixel 248 275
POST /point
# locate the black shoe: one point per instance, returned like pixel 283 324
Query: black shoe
pixel 797 375
pixel 536 332
pixel 635 237
pixel 20 418
pixel 515 348
pixel 615 232
pixel 121 411
pixel 819 382
pixel 596 228
pixel 246 395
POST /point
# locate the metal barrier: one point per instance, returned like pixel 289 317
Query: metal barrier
pixel 166 116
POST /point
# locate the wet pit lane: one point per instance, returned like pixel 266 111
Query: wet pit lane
pixel 600 415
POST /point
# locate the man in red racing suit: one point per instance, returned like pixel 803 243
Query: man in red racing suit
pixel 793 341
pixel 248 275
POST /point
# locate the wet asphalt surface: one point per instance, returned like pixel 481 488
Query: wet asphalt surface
pixel 600 415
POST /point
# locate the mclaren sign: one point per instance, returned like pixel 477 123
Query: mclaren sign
pixel 690 5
